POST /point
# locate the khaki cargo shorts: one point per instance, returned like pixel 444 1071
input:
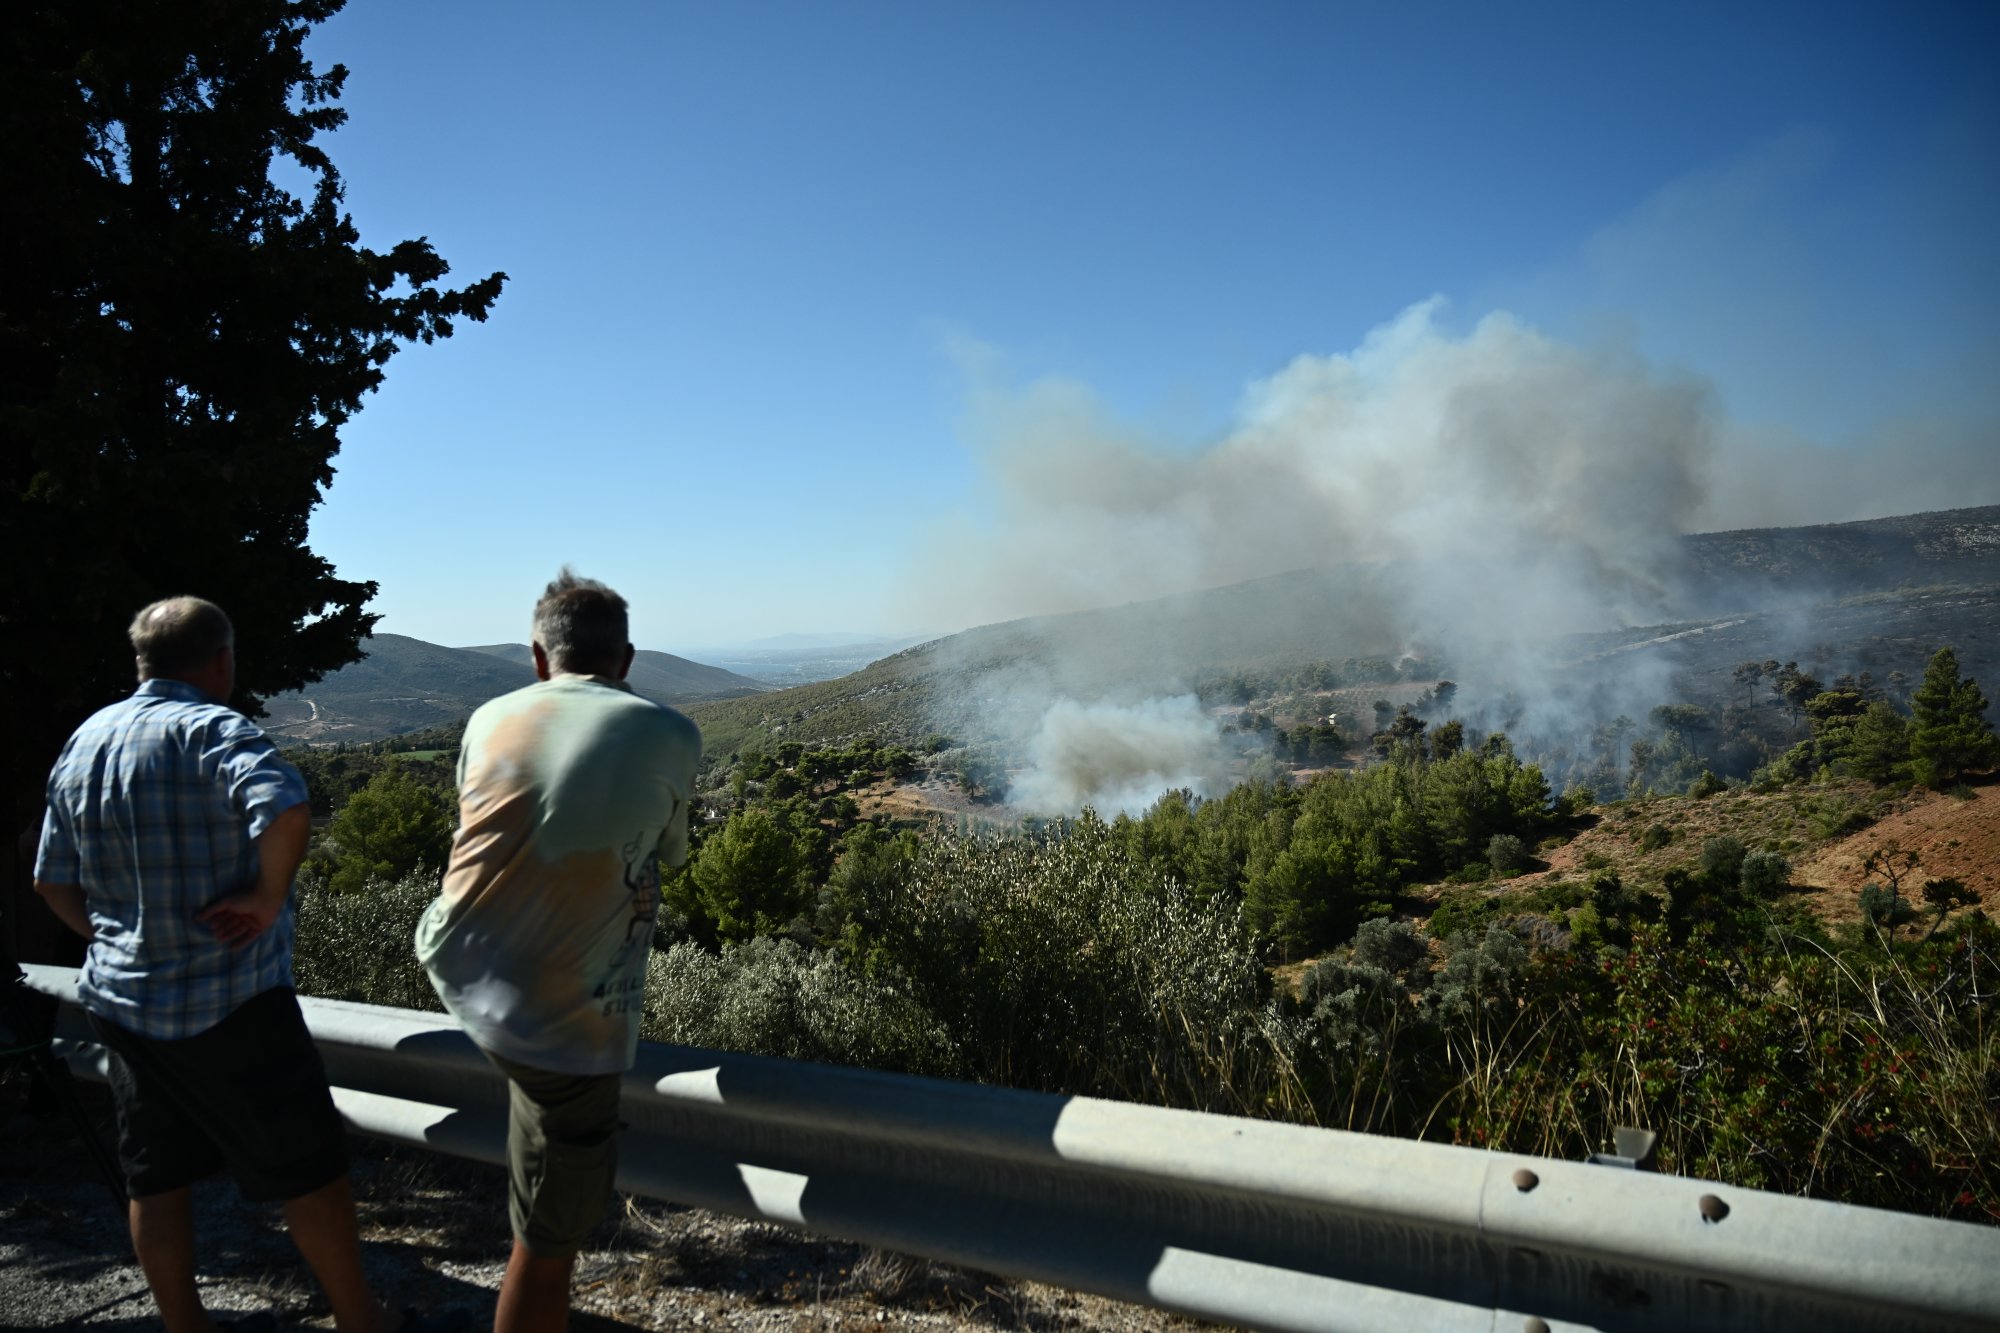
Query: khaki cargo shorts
pixel 562 1154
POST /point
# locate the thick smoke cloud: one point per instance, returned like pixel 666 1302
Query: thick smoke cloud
pixel 1509 486
pixel 1530 476
pixel 1489 491
pixel 1118 758
pixel 1488 457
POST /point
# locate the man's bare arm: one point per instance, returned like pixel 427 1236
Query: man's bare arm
pixel 281 847
pixel 66 901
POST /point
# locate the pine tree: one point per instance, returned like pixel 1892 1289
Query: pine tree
pixel 1950 735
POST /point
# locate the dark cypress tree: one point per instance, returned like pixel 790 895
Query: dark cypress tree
pixel 181 340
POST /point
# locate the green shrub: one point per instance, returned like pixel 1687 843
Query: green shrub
pixel 1722 860
pixel 747 878
pixel 1836 818
pixel 1478 976
pixel 1885 909
pixel 1609 896
pixel 1393 947
pixel 1706 785
pixel 1462 910
pixel 1575 801
pixel 1784 1068
pixel 1941 895
pixel 1358 1035
pixel 398 824
pixel 361 945
pixel 1655 837
pixel 773 997
pixel 1506 854
pixel 1765 874
pixel 1558 895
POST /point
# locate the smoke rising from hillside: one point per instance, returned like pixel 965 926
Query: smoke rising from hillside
pixel 1503 463
pixel 1489 492
pixel 1497 482
pixel 1118 758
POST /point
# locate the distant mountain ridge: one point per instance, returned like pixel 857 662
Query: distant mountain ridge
pixel 797 642
pixel 782 667
pixel 405 684
pixel 1727 570
pixel 657 675
pixel 950 684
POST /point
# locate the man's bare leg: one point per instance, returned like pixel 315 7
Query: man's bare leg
pixel 163 1238
pixel 323 1228
pixel 534 1296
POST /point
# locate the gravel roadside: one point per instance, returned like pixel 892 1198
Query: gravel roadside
pixel 434 1234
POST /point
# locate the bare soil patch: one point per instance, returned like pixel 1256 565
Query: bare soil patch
pixel 930 799
pixel 1955 836
pixel 1827 831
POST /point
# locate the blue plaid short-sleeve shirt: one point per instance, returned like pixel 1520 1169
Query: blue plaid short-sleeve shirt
pixel 155 808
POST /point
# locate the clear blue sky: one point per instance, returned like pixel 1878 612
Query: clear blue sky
pixel 761 252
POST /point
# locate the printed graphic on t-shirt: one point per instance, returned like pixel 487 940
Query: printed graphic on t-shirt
pixel 623 987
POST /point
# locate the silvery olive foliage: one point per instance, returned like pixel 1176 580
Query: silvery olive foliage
pixel 1353 1004
pixel 1062 964
pixel 1383 1026
pixel 774 997
pixel 1050 960
pixel 1765 874
pixel 1478 975
pixel 1506 854
pixel 360 945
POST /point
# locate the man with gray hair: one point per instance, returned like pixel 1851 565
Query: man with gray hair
pixel 172 834
pixel 572 791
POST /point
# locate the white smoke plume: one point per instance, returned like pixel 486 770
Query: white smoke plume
pixel 1518 462
pixel 1504 486
pixel 1118 758
pixel 1489 491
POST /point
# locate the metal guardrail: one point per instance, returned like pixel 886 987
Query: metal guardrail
pixel 1248 1222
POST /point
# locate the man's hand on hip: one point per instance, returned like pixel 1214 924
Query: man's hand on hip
pixel 67 902
pixel 242 917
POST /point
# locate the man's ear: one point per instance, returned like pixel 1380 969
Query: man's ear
pixel 223 670
pixel 625 667
pixel 541 661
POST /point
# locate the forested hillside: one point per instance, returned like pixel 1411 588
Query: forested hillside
pixel 1789 979
pixel 1838 600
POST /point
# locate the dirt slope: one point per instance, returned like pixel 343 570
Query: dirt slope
pixel 1955 837
pixel 1827 831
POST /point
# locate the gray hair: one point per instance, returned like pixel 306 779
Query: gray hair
pixel 581 625
pixel 179 634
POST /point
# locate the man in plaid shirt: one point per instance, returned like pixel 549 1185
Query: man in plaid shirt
pixel 172 834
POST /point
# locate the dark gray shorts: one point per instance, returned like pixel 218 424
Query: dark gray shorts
pixel 562 1154
pixel 248 1096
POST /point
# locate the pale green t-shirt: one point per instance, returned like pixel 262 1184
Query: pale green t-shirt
pixel 571 792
